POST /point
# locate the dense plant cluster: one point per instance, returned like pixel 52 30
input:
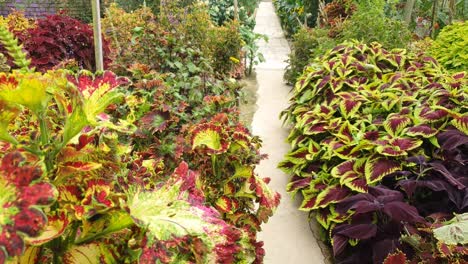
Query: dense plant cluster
pixel 379 141
pixel 151 167
pixel 342 20
pixel 295 14
pixel 55 39
pixel 449 48
pixel 307 43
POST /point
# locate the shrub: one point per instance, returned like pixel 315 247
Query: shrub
pixel 449 48
pixel 369 24
pixel 307 43
pixel 365 120
pixel 58 38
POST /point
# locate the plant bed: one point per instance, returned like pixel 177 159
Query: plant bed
pixel 379 150
pixel 150 167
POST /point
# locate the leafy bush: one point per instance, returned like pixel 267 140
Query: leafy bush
pixel 366 121
pixel 58 38
pixel 450 47
pixel 100 202
pixel 307 43
pixel 369 24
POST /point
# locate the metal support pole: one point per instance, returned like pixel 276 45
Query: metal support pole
pixel 97 35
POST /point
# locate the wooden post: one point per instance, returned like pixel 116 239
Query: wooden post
pixel 409 6
pixel 236 10
pixel 97 35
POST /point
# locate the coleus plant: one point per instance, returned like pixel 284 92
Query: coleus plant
pixel 227 154
pixel 91 217
pixel 358 114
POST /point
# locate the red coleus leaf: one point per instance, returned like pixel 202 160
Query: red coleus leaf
pixel 20 202
pixel 378 167
pixel 87 83
pixel 155 121
pixel 396 258
pixel 298 184
pixel 56 226
pixel 424 131
pixel 357 185
pixel 395 123
pixel 343 169
pixel 227 205
pixel 332 194
pixel 429 115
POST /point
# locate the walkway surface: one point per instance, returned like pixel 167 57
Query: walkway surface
pixel 287 236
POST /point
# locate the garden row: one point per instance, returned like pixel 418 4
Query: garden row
pixel 379 134
pixel 144 163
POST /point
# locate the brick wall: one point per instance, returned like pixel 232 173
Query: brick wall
pixel 40 8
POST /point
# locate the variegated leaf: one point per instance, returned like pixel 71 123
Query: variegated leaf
pixel 395 123
pixel 378 167
pixel 331 195
pixel 461 123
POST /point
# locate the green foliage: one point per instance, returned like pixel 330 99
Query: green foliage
pixel 359 115
pixel 10 43
pixel 449 48
pixel 307 44
pixel 369 23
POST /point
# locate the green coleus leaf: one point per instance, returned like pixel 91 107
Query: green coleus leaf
pixel 111 222
pixel 92 253
pixel 32 90
pixel 377 168
pixel 30 256
pixel 210 138
pixel 454 232
pixel 298 156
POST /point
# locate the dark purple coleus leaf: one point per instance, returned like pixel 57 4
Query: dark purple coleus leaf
pixel 452 139
pixel 380 199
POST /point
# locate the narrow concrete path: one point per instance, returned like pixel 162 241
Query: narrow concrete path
pixel 287 236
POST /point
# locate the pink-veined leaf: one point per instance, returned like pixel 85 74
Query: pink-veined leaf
pixel 378 167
